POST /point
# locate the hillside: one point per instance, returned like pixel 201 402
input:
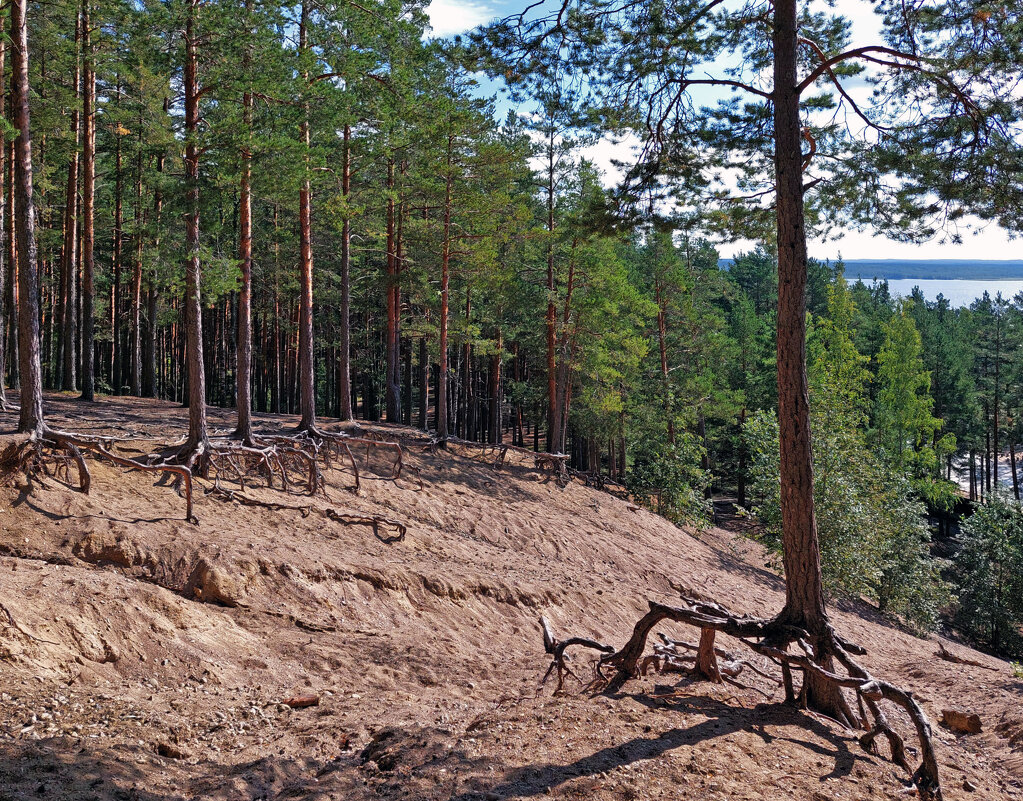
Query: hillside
pixel 148 658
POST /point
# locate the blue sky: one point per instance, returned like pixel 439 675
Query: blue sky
pixel 450 17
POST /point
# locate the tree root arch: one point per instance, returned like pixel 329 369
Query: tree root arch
pixel 51 453
pixel 787 646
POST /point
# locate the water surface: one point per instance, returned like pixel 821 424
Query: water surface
pixel 958 292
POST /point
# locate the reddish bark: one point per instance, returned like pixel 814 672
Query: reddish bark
pixel 243 399
pixel 68 302
pixel 392 389
pixel 442 382
pixel 344 382
pixel 31 417
pixel 198 436
pixel 306 372
pixel 88 206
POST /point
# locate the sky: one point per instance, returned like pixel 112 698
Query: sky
pixel 451 17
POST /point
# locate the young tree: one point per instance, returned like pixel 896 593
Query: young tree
pixel 990 575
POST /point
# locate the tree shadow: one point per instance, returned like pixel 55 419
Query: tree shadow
pixel 66 768
pixel 720 720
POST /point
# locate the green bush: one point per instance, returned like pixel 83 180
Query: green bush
pixel 668 479
pixel 989 572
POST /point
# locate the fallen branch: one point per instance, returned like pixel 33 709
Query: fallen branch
pixel 948 656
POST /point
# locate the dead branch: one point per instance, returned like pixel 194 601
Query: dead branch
pixel 556 648
pixel 948 656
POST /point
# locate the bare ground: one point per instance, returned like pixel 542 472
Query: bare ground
pixel 148 658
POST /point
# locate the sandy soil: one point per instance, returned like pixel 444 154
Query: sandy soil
pixel 149 657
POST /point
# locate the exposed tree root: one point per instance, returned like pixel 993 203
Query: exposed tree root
pixel 394 453
pixel 53 453
pixel 948 656
pixel 287 463
pixel 341 448
pixel 380 525
pixel 556 648
pixel 17 627
pixel 553 465
pixel 770 638
pixel 486 452
pixel 246 465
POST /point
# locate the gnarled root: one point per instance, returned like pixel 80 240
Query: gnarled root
pixel 552 465
pixel 556 648
pixel 52 453
pixel 380 525
pixel 815 657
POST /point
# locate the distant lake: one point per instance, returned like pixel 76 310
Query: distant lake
pixel 959 292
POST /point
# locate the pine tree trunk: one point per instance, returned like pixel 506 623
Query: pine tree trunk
pixel 11 298
pixel 135 348
pixel 69 264
pixel 804 593
pixel 344 383
pixel 116 351
pixel 88 206
pixel 495 392
pixel 31 418
pixel 392 388
pixel 306 369
pixel 994 427
pixel 64 358
pixel 150 378
pixel 741 478
pixel 243 376
pixel 424 385
pixel 553 413
pixel 5 190
pixel 198 436
pixel 662 343
pixel 442 379
pixel 1012 464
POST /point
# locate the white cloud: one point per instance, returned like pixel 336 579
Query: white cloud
pixel 605 152
pixel 448 17
pixel 990 242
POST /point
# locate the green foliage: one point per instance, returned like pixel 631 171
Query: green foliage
pixel 873 533
pixel 907 431
pixel 668 479
pixel 989 574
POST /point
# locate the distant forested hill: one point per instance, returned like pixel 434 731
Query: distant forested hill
pixel 979 270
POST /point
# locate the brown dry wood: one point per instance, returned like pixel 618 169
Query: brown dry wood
pixel 556 648
pixel 772 638
pixel 948 656
pixel 302 701
pixel 375 522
